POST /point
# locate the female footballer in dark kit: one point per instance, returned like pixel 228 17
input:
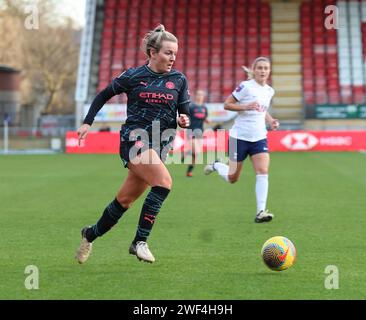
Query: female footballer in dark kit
pixel 158 98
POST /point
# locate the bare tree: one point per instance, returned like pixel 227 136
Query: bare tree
pixel 11 39
pixel 47 56
pixel 51 61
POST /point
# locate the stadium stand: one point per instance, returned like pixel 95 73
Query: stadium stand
pixel 216 38
pixel 333 68
pixel 312 64
pixel 319 56
pixel 286 57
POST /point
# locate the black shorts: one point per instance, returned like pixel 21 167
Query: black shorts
pixel 240 149
pixel 128 150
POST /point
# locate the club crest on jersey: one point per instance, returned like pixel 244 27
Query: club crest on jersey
pixel 170 85
pixel 239 88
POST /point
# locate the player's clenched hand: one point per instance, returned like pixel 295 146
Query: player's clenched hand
pixel 274 124
pixel 183 121
pixel 82 132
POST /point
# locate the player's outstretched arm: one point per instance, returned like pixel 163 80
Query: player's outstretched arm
pixel 232 104
pixel 83 132
pixel 97 104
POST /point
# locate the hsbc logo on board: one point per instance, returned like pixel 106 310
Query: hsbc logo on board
pixel 299 141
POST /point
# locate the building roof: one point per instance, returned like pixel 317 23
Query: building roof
pixel 7 69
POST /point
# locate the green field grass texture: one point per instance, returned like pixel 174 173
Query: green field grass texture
pixel 205 241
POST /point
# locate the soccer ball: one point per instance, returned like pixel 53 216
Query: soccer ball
pixel 278 253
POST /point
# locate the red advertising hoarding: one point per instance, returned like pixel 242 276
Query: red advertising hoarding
pixel 317 140
pixel 108 142
pixel 283 141
pixel 95 142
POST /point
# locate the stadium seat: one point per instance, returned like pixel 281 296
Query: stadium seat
pixel 215 38
pixel 319 55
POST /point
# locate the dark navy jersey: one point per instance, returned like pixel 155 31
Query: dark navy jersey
pixel 198 116
pixel 151 97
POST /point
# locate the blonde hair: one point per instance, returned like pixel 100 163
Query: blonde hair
pixel 249 71
pixel 154 39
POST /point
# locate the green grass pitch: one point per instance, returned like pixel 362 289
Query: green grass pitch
pixel 205 241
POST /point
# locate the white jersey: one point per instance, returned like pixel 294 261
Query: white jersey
pixel 251 125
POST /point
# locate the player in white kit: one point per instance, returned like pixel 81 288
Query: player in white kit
pixel 248 136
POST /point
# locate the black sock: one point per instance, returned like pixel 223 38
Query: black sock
pixel 190 168
pixel 149 211
pixel 112 213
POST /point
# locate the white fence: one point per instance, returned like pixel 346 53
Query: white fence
pixel 20 140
